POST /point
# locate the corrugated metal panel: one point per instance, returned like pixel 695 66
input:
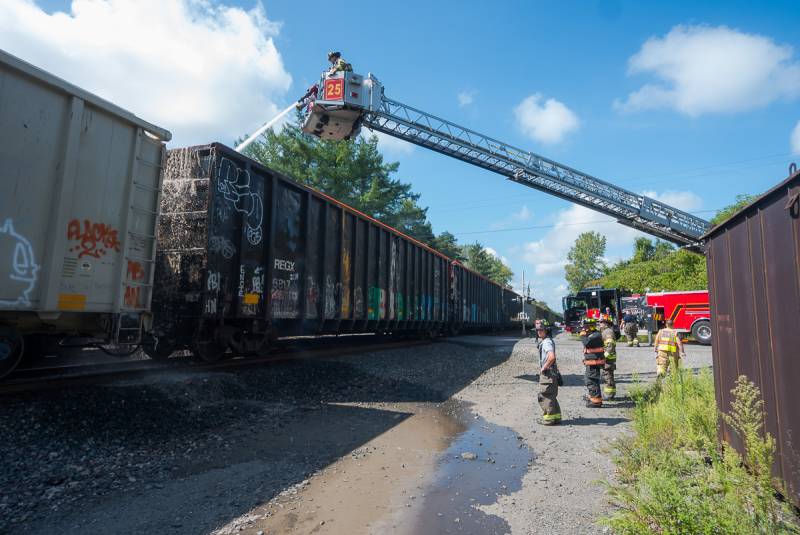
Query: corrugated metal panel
pixel 264 248
pixel 79 195
pixel 754 287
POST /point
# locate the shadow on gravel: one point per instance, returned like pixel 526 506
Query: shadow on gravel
pixel 569 379
pixel 190 453
pixel 600 420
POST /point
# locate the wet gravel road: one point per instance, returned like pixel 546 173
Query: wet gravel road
pixel 433 439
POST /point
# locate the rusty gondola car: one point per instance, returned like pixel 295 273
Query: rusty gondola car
pixel 754 288
pixel 247 254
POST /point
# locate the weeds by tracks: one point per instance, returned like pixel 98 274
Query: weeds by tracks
pixel 674 478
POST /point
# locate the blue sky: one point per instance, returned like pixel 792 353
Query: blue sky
pixel 715 85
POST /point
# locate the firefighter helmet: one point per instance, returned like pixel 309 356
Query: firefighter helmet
pixel 590 323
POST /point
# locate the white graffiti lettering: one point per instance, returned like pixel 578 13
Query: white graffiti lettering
pixel 241 280
pixel 234 184
pixel 211 305
pixel 223 246
pixel 258 280
pixel 213 281
pixel 23 267
pixel 284 265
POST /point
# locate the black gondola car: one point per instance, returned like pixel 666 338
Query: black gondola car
pixel 247 254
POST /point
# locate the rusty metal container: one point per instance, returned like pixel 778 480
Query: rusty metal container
pixel 754 287
pixel 247 254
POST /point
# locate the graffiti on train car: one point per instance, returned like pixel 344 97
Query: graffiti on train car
pixel 312 297
pixel 235 186
pixel 376 303
pixel 213 285
pixel 346 277
pixel 358 302
pixel 221 245
pixel 285 289
pixel 94 239
pixel 133 293
pixel 22 275
pixel 392 279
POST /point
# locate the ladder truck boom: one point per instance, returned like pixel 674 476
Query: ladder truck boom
pixel 349 101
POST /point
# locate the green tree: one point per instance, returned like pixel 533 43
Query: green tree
pixel 657 266
pixel 742 200
pixel 447 244
pixel 586 262
pixel 477 258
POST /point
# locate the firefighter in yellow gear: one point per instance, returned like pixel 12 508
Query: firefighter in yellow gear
pixel 337 63
pixel 610 354
pixel 669 349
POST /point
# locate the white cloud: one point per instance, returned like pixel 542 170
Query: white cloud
pixel 703 69
pixel 687 201
pixel 495 254
pixel 205 71
pixel 796 139
pixel 465 98
pixel 524 214
pixel 390 144
pixel 547 122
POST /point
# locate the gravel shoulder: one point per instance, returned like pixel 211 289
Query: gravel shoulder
pixel 366 444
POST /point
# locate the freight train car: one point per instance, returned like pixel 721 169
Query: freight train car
pixel 246 254
pixel 79 196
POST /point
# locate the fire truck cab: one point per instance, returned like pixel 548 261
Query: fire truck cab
pixel 591 303
pixel 344 98
pixel 689 311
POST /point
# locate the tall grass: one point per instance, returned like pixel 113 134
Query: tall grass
pixel 672 476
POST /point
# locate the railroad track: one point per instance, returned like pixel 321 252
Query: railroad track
pixel 40 379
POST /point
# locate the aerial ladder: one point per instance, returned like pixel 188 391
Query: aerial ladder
pixel 347 101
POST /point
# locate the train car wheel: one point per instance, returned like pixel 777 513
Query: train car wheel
pixel 157 348
pixel 208 351
pixel 12 346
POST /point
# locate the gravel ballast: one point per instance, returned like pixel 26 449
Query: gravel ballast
pixel 194 453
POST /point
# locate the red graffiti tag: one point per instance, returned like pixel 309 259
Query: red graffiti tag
pixel 135 274
pixel 95 239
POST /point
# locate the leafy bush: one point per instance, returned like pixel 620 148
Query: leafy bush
pixel 674 479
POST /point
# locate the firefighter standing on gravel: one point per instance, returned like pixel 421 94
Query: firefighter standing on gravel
pixel 594 361
pixel 610 354
pixel 548 375
pixel 631 326
pixel 669 349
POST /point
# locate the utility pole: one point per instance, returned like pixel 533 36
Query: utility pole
pixel 522 297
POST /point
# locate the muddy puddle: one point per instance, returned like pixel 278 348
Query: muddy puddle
pixel 429 474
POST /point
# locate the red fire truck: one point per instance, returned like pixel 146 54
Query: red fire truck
pixel 688 310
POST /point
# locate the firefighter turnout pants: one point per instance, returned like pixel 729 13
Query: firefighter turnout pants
pixel 631 331
pixel 609 383
pixel 548 392
pixel 664 360
pixel 592 377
